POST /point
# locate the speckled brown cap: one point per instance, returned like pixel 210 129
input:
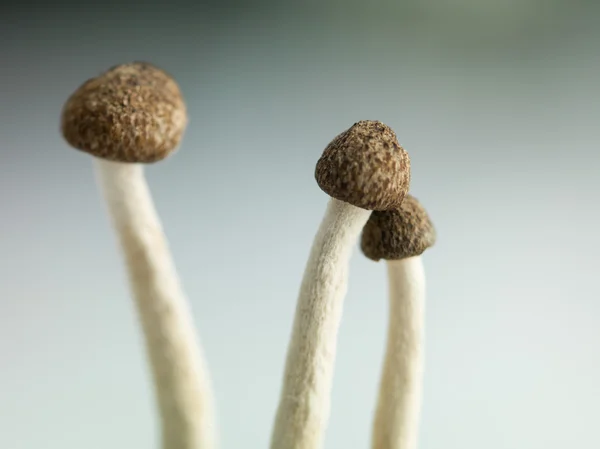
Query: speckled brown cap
pixel 366 167
pixel 131 113
pixel 398 234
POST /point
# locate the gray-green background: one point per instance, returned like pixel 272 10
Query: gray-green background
pixel 497 103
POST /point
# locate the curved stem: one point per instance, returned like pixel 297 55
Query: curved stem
pixel 304 404
pixel 179 371
pixel 398 408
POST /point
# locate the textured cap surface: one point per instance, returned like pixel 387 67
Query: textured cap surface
pixel 131 113
pixel 366 167
pixel 398 234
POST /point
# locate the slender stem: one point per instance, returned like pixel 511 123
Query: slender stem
pixel 304 404
pixel 398 408
pixel 179 371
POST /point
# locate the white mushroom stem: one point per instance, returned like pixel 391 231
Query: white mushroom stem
pixel 179 372
pixel 304 405
pixel 398 408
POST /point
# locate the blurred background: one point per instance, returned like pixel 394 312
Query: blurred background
pixel 497 103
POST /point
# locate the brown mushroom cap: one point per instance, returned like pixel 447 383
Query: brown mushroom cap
pixel 130 113
pixel 398 234
pixel 366 167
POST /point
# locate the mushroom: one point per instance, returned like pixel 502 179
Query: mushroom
pixel 363 169
pixel 400 237
pixel 130 115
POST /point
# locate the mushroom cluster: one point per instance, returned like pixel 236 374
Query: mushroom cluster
pixel 134 114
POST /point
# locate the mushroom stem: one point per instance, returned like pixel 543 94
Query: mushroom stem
pixel 180 375
pixel 398 408
pixel 304 404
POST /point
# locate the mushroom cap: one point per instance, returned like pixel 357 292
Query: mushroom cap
pixel 131 113
pixel 398 234
pixel 366 167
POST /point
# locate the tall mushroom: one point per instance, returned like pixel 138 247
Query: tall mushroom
pixel 130 115
pixel 363 169
pixel 400 237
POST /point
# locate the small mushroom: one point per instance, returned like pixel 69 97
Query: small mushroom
pixel 400 237
pixel 130 115
pixel 363 169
